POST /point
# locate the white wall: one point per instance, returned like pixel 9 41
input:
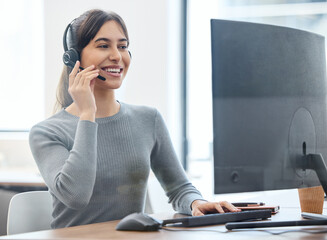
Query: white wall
pixel 154 74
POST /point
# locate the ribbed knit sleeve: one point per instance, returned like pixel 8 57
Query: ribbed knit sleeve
pixel 169 172
pixel 69 173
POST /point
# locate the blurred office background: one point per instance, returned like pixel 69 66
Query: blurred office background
pixel 170 70
pixel 31 64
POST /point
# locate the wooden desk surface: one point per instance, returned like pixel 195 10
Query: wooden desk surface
pixel 107 230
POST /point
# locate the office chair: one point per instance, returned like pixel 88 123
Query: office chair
pixel 29 211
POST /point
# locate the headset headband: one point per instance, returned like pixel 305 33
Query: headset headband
pixel 65 35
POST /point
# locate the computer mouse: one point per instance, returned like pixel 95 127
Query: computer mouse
pixel 139 222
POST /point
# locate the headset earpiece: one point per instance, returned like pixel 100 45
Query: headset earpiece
pixel 130 55
pixel 71 55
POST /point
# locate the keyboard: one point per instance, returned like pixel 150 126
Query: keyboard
pixel 218 218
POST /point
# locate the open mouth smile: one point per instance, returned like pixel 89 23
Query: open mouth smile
pixel 113 71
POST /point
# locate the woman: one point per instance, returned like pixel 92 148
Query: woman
pixel 95 154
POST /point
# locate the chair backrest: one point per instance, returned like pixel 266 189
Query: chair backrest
pixel 29 211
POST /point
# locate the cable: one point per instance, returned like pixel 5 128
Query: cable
pixel 193 230
pixel 299 230
pixel 246 230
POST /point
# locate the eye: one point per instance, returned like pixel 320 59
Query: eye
pixel 103 46
pixel 123 47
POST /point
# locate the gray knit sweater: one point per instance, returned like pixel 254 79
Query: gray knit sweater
pixel 98 171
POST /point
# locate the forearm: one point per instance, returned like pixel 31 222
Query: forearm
pixel 74 183
pixel 184 198
pixel 170 173
pixel 70 175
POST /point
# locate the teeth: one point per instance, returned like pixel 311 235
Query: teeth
pixel 114 70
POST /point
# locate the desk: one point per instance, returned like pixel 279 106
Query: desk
pixel 20 178
pixel 107 230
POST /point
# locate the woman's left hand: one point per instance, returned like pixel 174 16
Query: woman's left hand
pixel 200 207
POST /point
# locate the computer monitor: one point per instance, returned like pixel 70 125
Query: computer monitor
pixel 269 107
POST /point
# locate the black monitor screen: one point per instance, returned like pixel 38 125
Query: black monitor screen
pixel 269 105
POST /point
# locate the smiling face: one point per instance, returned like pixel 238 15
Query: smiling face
pixel 109 53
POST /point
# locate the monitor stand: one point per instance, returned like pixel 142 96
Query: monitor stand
pixel 315 162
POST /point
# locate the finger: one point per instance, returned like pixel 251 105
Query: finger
pixel 89 76
pixel 82 75
pixel 91 72
pixel 92 83
pixel 89 68
pixel 76 68
pixel 219 208
pixel 197 212
pixel 208 207
pixel 73 73
pixel 85 72
pixel 81 71
pixel 230 207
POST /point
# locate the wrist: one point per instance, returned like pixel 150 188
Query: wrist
pixel 90 116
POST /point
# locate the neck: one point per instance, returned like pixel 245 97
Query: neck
pixel 106 103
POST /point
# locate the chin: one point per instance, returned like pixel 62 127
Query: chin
pixel 111 85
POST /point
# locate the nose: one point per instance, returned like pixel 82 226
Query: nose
pixel 114 55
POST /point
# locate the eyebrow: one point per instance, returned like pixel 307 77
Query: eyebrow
pixel 108 40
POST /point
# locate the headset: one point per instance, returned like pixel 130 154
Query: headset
pixel 71 55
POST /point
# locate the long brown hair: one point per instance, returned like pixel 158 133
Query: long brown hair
pixel 83 30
